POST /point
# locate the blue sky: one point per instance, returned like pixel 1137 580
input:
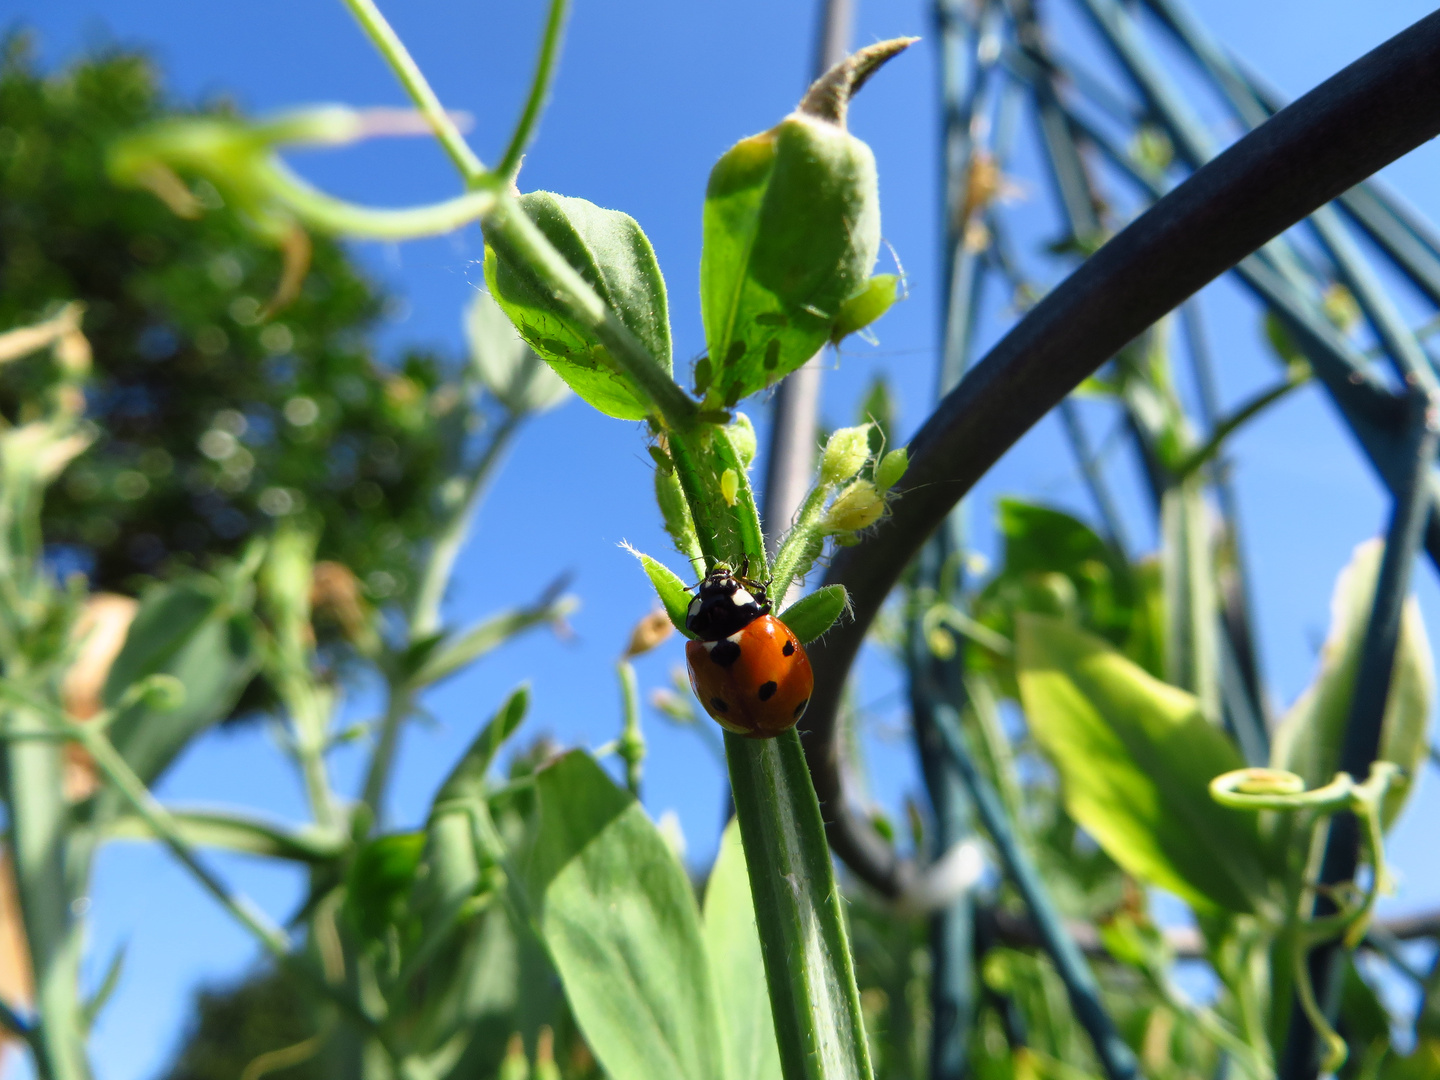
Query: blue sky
pixel 648 95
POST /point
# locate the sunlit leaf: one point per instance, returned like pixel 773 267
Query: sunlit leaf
pixel 611 252
pixel 1135 758
pixel 734 946
pixel 618 916
pixel 1309 738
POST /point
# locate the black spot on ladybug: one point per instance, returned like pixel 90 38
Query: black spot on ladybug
pixel 800 709
pixel 725 652
pixel 718 704
pixel 789 649
pixel 768 690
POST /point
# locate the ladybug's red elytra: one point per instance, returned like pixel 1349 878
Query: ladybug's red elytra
pixel 748 668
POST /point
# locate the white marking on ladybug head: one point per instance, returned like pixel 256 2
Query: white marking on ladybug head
pixel 740 598
pixel 735 637
pixel 694 608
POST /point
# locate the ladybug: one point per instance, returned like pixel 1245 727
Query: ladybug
pixel 747 667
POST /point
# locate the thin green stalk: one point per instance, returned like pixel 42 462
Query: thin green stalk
pixel 330 214
pixel 1116 1058
pixel 802 542
pixel 398 707
pixel 539 89
pixel 383 35
pixel 1204 453
pixel 435 577
pixel 631 744
pixel 169 832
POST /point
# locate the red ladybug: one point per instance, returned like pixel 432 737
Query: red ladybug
pixel 747 667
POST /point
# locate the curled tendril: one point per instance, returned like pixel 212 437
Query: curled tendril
pixel 1277 789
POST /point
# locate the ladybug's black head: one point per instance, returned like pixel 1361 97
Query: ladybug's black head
pixel 725 604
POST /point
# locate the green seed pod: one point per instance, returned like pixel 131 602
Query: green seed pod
pixel 891 468
pixel 846 452
pixel 791 233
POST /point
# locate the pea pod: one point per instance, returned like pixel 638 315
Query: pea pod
pixel 791 234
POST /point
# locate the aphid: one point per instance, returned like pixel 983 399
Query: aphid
pixel 748 668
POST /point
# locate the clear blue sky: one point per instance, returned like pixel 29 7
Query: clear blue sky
pixel 649 94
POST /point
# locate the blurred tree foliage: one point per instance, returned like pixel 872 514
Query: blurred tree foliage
pixel 235 1025
pixel 212 417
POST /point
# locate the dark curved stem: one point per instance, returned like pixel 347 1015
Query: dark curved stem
pixel 1360 120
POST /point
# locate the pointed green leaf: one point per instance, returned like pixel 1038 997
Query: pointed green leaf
pixel 612 253
pixel 446 656
pixel 187 630
pixel 467 778
pixel 1308 740
pixel 1136 757
pixel 673 592
pixel 734 946
pixel 812 615
pixel 618 915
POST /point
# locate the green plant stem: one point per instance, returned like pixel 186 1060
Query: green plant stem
pixel 505 220
pixel 1204 453
pixel 539 89
pixel 39 847
pixel 334 215
pixel 802 543
pixel 383 36
pixel 435 577
pixel 398 707
pixel 169 832
pixel 816 1005
pixel 631 744
pixel 1116 1058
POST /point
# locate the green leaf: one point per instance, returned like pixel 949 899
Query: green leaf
pixel 618 915
pixel 380 879
pixel 187 630
pixel 106 990
pixel 791 232
pixel 442 660
pixel 1309 738
pixel 808 965
pixel 239 832
pixel 467 778
pixel 504 364
pixel 673 592
pixel 611 252
pixel 734 946
pixel 1135 757
pixel 812 615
